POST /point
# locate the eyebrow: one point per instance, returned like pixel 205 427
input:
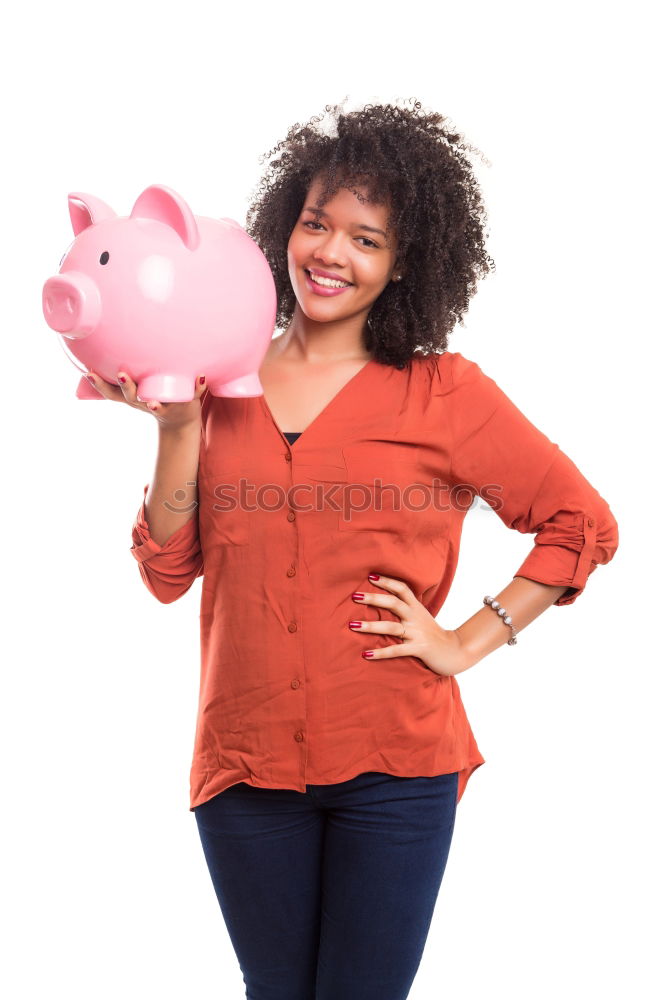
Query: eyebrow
pixel 357 225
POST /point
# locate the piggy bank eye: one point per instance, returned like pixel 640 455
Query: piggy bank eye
pixel 104 259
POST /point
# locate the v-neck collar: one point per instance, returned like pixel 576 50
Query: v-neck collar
pixel 322 413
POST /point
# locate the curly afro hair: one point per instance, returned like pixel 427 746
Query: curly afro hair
pixel 410 161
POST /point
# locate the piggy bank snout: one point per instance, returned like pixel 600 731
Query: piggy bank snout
pixel 71 304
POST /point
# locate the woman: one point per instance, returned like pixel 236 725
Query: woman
pixel 328 765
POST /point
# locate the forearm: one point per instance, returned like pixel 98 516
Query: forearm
pixel 172 498
pixel 485 631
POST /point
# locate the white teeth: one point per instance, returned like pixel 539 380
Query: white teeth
pixel 328 282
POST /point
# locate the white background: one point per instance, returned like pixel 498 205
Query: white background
pixel 555 878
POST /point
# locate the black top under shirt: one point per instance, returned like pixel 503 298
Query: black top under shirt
pixel 292 435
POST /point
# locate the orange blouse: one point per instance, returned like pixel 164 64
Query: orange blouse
pixel 380 482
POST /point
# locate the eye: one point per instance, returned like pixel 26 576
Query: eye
pixel 104 259
pixel 310 222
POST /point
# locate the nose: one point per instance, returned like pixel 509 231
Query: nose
pixel 71 304
pixel 329 250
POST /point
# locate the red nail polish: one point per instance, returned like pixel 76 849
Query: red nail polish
pixel 367 653
pixel 202 379
pixel 373 576
pixel 123 379
pixel 358 596
pixel 355 624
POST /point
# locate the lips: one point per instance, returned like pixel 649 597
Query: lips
pixel 323 291
pixel 325 274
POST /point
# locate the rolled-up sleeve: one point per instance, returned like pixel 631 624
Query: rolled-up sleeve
pixel 531 484
pixel 168 570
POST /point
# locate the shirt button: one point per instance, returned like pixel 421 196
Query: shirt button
pixel 295 684
pixel 299 736
pixel 292 626
pixel 590 522
pixel 291 516
pixel 287 456
pixel 291 571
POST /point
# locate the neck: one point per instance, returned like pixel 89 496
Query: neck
pixel 310 342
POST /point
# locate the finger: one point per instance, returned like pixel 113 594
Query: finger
pixel 127 387
pixel 390 652
pixel 103 387
pixel 200 386
pixel 398 587
pixel 389 601
pixel 129 391
pixel 378 627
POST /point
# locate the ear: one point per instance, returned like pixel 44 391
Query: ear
pixel 85 210
pixel 164 205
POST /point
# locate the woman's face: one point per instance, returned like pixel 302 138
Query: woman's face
pixel 350 242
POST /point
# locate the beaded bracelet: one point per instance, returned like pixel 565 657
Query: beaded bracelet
pixel 495 605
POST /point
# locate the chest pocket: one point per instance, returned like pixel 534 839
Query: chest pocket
pixel 379 493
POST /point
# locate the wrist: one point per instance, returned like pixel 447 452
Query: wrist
pixel 466 656
pixel 170 432
pixel 446 654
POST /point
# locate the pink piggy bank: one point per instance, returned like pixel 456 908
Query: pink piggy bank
pixel 163 295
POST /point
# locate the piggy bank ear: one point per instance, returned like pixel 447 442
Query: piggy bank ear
pixel 85 210
pixel 164 205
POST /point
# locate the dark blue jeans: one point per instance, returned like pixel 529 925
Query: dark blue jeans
pixel 328 894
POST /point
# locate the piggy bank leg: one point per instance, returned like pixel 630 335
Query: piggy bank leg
pixel 246 385
pixel 166 388
pixel 86 390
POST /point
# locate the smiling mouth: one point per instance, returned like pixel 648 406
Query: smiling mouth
pixel 347 284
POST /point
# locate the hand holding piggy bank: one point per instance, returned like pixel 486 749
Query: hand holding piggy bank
pixel 162 295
